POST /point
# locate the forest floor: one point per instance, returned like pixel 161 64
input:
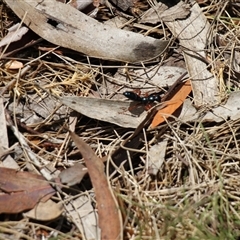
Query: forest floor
pixel 177 180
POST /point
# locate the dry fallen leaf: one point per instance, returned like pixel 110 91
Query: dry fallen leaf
pixel 15 33
pixel 181 93
pixel 46 211
pixel 65 26
pixel 73 175
pixel 112 111
pixel 110 221
pixel 6 159
pixel 156 157
pixel 13 65
pixel 22 190
pixel 123 4
pixel 84 216
pixel 161 12
pixel 229 111
pixel 80 4
pixel 162 77
pixel 18 38
pixel 117 111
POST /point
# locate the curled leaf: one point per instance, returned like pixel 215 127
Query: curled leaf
pixel 180 94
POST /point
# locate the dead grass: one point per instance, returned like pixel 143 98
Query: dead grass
pixel 195 194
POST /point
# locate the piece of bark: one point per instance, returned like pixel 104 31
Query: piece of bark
pixel 193 33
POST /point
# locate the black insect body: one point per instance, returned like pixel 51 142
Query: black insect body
pixel 144 100
pixel 154 98
pixel 133 96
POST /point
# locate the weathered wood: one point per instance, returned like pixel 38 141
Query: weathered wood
pixel 193 33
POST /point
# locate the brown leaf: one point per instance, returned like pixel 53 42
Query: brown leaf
pixel 181 92
pixel 23 190
pixel 109 216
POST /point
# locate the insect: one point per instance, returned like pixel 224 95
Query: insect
pixel 154 97
pixel 146 101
